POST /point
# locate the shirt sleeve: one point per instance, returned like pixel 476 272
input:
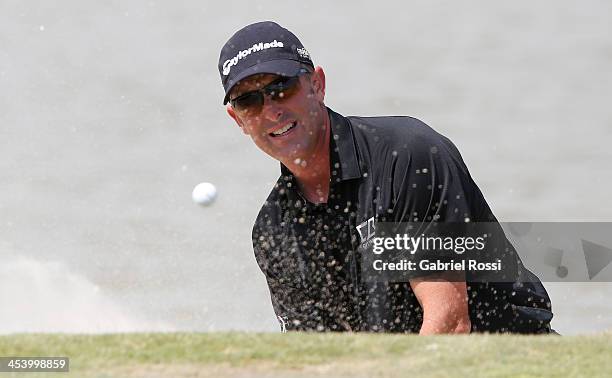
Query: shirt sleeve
pixel 272 257
pixel 294 300
pixel 432 184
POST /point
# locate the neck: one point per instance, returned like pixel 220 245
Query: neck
pixel 312 173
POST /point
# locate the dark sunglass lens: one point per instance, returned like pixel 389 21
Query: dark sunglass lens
pixel 283 88
pixel 250 102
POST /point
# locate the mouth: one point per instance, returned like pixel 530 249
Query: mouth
pixel 284 130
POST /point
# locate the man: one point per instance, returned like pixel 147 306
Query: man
pixel 341 174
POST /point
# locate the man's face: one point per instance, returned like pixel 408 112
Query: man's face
pixel 304 111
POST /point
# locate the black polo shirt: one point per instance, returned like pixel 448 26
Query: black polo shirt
pixel 383 169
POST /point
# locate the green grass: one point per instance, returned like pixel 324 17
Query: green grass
pixel 311 355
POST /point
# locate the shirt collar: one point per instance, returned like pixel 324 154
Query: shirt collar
pixel 344 142
pixel 343 153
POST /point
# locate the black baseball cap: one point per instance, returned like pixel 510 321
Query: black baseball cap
pixel 262 47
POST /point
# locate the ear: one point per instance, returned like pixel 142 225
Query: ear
pixel 232 113
pixel 318 83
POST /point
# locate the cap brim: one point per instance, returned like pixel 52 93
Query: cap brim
pixel 281 67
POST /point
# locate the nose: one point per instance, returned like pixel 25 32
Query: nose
pixel 271 110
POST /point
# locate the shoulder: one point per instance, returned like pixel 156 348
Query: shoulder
pixel 399 133
pixel 401 139
pixel 267 224
pixel 269 227
pixel 392 126
pixel 271 211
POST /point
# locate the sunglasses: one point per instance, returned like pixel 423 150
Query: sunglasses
pixel 279 90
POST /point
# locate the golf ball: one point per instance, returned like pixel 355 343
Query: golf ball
pixel 204 194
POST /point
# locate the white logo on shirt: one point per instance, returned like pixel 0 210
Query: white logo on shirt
pixel 283 324
pixel 366 230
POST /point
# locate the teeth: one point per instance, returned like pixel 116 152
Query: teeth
pixel 283 130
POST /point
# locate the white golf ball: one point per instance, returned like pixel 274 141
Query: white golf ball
pixel 204 194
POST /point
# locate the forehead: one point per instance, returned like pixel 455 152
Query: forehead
pixel 252 83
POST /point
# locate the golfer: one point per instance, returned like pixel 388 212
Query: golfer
pixel 339 177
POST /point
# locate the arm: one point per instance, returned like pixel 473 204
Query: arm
pixel 444 303
pixel 444 192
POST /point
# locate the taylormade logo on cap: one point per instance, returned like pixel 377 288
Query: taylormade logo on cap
pixel 227 65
